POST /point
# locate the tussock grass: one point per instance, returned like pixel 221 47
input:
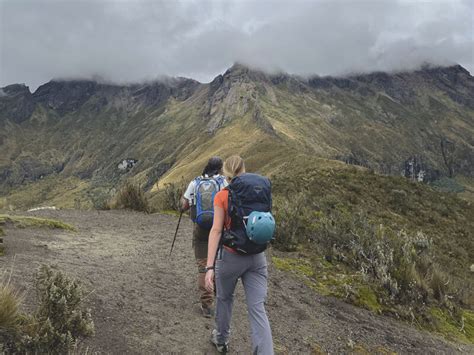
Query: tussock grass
pixel 131 196
pixel 26 221
pixel 9 307
pixel 168 199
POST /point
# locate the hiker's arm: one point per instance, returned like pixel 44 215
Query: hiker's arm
pixel 214 238
pixel 215 235
pixel 187 197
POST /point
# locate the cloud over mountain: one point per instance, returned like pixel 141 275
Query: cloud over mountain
pixel 136 40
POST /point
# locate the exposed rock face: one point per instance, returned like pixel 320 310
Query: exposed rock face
pixel 126 165
pixel 65 96
pixel 417 170
pixel 28 169
pixel 262 122
pixel 157 93
pixel 230 96
pixel 16 103
pixel 183 88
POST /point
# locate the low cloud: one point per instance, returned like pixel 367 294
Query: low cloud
pixel 138 40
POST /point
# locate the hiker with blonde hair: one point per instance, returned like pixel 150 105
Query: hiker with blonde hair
pixel 241 230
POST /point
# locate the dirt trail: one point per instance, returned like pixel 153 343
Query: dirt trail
pixel 146 302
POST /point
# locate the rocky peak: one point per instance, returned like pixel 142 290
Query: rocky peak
pixel 237 69
pixel 15 89
pixel 240 72
pixel 183 88
pixel 65 96
pixel 445 70
pixel 16 103
pixel 232 95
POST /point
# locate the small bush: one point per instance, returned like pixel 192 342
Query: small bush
pixel 58 322
pixel 294 220
pixel 131 196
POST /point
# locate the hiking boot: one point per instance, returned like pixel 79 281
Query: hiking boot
pixel 221 348
pixel 206 311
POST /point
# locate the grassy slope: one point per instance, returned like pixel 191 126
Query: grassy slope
pixel 395 202
pixel 376 128
pixel 399 204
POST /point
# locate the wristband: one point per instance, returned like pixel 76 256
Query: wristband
pixel 207 268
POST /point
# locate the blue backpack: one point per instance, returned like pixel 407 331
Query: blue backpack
pixel 205 190
pixel 252 224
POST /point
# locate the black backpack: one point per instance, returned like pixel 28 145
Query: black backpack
pixel 247 193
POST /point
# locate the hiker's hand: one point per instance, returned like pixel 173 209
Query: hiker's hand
pixel 184 206
pixel 209 281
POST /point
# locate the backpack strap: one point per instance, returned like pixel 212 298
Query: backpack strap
pixel 196 181
pixel 237 203
pixel 220 181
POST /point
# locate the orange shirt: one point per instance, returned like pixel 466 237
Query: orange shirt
pixel 222 200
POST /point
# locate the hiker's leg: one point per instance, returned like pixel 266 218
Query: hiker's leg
pixel 227 273
pixel 200 241
pixel 255 286
pixel 206 297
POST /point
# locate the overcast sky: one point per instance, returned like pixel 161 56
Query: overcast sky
pixel 134 40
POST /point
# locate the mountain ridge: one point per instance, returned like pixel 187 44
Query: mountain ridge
pixel 418 123
pixel 427 68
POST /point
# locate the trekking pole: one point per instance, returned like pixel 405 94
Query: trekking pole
pixel 176 233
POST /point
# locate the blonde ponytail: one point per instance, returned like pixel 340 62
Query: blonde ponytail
pixel 234 166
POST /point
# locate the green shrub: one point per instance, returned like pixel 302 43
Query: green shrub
pixel 58 323
pixel 294 221
pixel 398 262
pixel 132 197
pixel 393 259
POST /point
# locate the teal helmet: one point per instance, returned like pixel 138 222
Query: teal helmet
pixel 260 227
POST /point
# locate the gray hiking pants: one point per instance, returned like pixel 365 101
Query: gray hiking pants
pixel 252 269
